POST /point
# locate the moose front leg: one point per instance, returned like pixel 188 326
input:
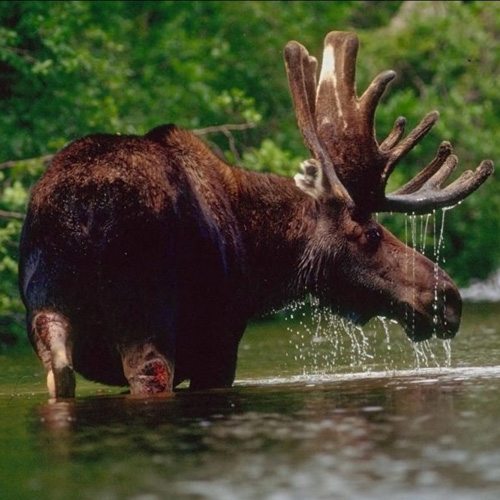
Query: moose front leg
pixel 52 340
pixel 147 370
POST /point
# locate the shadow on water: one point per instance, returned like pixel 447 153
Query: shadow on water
pixel 279 434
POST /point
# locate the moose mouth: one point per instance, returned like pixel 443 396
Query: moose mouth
pixel 417 326
pixel 431 313
pixel 438 318
pixel 441 318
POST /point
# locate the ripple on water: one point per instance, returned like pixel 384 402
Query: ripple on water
pixel 418 375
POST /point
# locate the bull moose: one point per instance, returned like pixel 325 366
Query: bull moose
pixel 144 257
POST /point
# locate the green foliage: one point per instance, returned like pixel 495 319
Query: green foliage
pixel 446 58
pixel 11 312
pixel 68 69
pixel 269 157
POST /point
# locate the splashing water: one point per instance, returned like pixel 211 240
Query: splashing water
pixel 424 355
pixel 323 343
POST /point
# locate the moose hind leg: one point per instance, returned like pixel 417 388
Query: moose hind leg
pixel 52 339
pixel 147 370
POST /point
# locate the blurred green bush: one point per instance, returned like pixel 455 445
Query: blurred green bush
pixel 68 69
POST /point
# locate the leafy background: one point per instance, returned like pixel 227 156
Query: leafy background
pixel 68 69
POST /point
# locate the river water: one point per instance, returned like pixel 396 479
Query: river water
pixel 317 412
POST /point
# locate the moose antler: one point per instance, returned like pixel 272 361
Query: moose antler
pixel 301 71
pixel 332 116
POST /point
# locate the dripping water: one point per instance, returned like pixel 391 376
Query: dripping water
pixel 324 343
pixel 447 350
pixel 438 247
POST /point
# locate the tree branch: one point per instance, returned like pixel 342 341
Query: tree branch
pixel 11 215
pixel 223 128
pixel 45 160
pixel 226 130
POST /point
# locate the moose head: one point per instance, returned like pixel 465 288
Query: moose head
pixel 371 272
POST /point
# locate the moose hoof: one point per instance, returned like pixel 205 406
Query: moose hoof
pixel 61 382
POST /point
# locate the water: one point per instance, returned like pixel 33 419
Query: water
pixel 301 422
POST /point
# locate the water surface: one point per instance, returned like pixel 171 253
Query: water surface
pixel 315 413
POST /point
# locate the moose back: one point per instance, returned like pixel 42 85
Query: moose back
pixel 144 257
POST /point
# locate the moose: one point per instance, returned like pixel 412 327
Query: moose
pixel 143 258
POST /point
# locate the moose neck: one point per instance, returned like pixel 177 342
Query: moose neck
pixel 277 222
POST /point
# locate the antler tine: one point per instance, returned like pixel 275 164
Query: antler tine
pixel 295 54
pixel 395 134
pixel 412 139
pixel 309 70
pixel 430 196
pixel 371 97
pixel 423 193
pixel 336 86
pixel 301 78
pixel 419 180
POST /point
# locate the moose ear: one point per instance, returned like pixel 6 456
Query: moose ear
pixel 311 180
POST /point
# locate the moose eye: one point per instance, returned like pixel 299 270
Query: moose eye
pixel 373 237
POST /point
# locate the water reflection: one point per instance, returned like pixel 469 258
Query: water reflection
pixel 351 437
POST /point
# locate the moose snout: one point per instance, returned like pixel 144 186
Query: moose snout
pixel 449 310
pixel 434 309
pixel 443 310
